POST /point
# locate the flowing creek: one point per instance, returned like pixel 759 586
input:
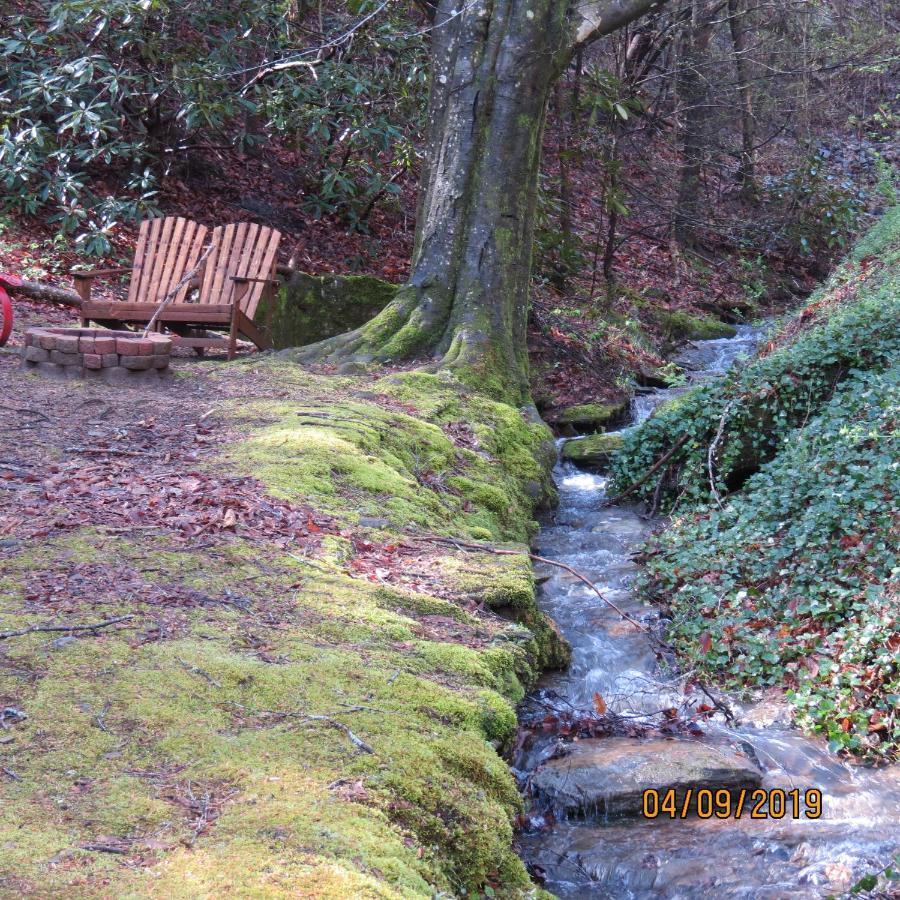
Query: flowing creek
pixel 595 843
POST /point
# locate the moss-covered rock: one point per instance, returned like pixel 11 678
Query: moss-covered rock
pixel 680 326
pixel 589 416
pixel 310 308
pixel 593 450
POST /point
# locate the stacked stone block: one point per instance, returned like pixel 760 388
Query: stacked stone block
pixel 96 352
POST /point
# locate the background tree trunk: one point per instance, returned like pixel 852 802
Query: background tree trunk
pixel 692 88
pixel 746 173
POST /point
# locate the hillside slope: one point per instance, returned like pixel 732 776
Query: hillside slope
pixel 791 580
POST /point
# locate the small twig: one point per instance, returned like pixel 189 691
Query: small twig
pixel 196 670
pixel 99 720
pixel 356 741
pixel 10 774
pixel 173 293
pixel 27 410
pixel 111 450
pixel 711 452
pixel 654 468
pixel 308 562
pixel 105 848
pixel 92 627
pixel 307 717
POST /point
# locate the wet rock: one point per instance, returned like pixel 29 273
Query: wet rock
pixel 650 377
pixel 373 522
pixel 608 777
pixel 589 417
pixel 595 450
pixel 310 308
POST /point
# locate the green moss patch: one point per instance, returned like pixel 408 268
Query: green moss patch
pixel 274 713
pixel 677 326
pixel 310 308
pixel 593 450
pixel 589 416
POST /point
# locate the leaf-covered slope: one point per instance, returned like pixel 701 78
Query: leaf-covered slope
pixel 852 324
pixel 795 581
pixel 792 579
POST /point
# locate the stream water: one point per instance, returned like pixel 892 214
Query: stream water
pixel 601 855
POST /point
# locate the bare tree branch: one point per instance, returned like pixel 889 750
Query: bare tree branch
pixel 594 18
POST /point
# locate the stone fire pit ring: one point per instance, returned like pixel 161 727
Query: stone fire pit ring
pixel 115 356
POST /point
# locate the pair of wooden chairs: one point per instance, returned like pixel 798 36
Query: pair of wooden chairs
pixel 238 272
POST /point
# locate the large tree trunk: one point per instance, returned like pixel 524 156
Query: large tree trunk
pixel 465 306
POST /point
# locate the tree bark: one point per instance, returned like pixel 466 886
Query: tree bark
pixel 48 292
pixel 746 173
pixel 692 88
pixel 465 306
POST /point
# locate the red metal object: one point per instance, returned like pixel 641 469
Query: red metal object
pixel 6 313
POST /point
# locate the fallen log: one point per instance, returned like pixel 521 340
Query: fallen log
pixel 48 292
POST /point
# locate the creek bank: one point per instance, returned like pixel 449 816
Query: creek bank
pixel 305 691
pixel 853 323
pixel 800 448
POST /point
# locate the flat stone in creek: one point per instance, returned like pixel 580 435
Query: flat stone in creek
pixel 608 776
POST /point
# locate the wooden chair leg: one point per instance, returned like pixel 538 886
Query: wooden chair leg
pixel 232 334
pixel 83 289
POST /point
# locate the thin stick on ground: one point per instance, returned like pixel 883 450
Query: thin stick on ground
pixel 713 449
pixel 93 626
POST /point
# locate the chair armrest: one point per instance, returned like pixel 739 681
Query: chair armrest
pixel 99 273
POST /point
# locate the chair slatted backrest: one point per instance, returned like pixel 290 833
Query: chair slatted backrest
pixel 167 249
pixel 243 250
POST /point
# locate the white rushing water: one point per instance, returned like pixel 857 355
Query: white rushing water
pixel 859 830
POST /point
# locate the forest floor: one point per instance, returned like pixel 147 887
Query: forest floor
pixel 219 597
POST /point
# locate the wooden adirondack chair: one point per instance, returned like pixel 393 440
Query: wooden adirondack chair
pixel 235 276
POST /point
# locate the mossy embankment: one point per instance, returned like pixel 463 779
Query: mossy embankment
pixel 780 566
pixel 315 711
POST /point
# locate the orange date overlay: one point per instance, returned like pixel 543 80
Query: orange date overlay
pixel 708 803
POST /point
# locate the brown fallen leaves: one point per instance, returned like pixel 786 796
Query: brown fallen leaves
pixel 119 495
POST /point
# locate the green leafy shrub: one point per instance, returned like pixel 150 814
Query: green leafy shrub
pixel 821 207
pixel 103 98
pixel 852 325
pixel 793 579
pixel 796 581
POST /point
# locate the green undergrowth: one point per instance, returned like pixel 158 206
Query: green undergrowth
pixel 851 324
pixel 791 580
pixel 277 721
pixel 794 582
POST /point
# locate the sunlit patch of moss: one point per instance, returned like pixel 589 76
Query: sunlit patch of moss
pixel 257 675
pixel 116 730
